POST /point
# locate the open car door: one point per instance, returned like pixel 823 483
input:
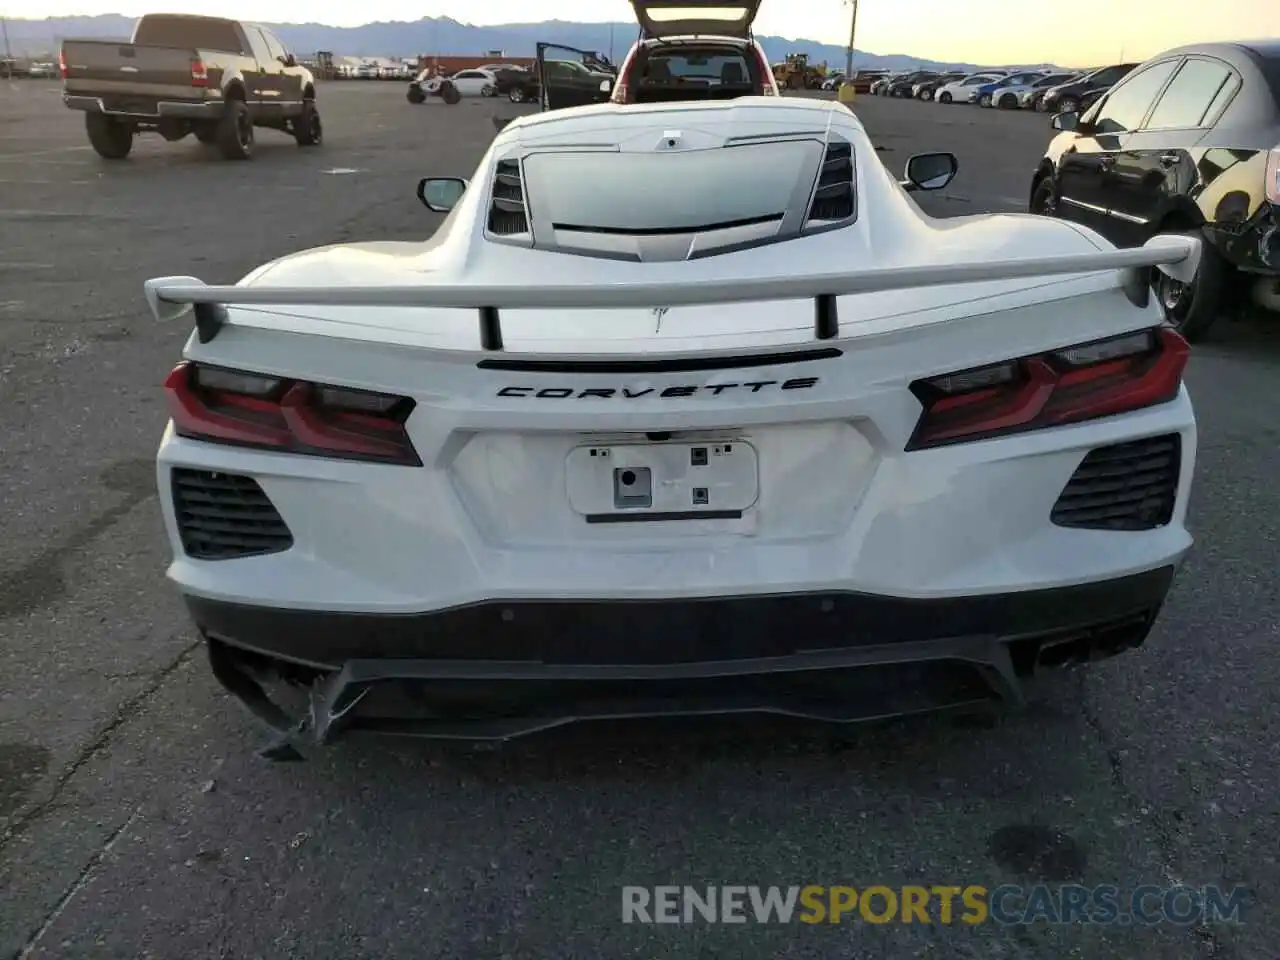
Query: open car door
pixel 684 18
pixel 564 80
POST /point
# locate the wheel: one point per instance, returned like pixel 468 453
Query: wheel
pixel 1009 101
pixel 488 90
pixel 1069 105
pixel 516 95
pixel 1044 199
pixel 449 94
pixel 235 131
pixel 945 98
pixel 926 95
pixel 308 131
pixel 984 100
pixel 415 94
pixel 1040 105
pixel 1192 307
pixel 110 138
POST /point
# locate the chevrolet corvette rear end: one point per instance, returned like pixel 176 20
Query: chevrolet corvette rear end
pixel 626 439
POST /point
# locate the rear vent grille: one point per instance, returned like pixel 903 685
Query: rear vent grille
pixel 223 516
pixel 833 199
pixel 1128 486
pixel 507 213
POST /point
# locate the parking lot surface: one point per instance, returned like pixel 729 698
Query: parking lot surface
pixel 137 821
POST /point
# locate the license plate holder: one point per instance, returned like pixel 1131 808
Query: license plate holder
pixel 663 480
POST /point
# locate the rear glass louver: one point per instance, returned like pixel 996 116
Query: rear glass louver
pixel 833 198
pixel 507 213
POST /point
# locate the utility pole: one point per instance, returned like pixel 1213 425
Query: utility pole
pixel 853 29
pixel 8 54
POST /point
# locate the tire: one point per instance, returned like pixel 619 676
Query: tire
pixel 926 95
pixel 1040 105
pixel 984 100
pixel 1069 105
pixel 488 90
pixel 308 131
pixel 945 98
pixel 449 94
pixel 110 139
pixel 1192 308
pixel 1009 102
pixel 415 94
pixel 235 132
pixel 517 95
pixel 1044 199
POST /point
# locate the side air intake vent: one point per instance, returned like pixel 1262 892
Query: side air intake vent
pixel 507 214
pixel 833 199
pixel 225 516
pixel 1126 486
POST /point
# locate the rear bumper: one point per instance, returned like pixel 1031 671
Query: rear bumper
pixel 166 109
pixel 501 669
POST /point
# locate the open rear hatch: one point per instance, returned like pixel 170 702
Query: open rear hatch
pixel 684 18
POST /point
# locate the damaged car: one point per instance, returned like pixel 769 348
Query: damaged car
pixel 683 411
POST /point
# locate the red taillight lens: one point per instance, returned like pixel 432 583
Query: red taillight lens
pixel 1273 176
pixel 291 416
pixel 62 65
pixel 766 74
pixel 1078 383
pixel 199 74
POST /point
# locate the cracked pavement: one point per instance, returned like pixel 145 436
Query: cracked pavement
pixel 135 820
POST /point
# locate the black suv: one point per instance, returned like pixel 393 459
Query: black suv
pixel 1070 96
pixel 1189 142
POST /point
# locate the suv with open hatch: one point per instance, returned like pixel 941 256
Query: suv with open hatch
pixel 687 50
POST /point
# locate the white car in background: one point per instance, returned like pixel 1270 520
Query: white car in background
pixel 476 83
pixel 686 408
pixel 966 90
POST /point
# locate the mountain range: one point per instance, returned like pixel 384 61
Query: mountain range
pixel 444 35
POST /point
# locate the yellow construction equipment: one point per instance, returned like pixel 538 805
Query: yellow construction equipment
pixel 795 73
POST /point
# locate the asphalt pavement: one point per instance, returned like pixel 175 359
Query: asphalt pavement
pixel 136 820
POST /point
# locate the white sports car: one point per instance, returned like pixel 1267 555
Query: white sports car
pixel 685 409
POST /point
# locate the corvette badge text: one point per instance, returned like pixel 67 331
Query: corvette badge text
pixel 635 393
pixel 968 905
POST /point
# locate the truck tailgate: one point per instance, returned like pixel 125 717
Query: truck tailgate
pixel 104 67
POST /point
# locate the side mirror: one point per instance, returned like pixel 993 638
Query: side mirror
pixel 1065 121
pixel 288 60
pixel 606 86
pixel 441 194
pixel 930 171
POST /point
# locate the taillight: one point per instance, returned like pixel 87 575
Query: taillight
pixel 767 80
pixel 199 74
pixel 62 65
pixel 290 416
pixel 1273 176
pixel 1084 382
pixel 621 94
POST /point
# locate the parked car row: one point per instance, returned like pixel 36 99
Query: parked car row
pixel 1041 90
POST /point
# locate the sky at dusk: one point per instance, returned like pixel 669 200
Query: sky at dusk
pixel 983 31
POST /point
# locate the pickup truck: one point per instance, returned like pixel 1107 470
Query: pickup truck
pixel 180 74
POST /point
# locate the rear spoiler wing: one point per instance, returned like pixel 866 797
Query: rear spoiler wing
pixel 173 297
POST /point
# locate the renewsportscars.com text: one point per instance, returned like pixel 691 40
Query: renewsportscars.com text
pixel 973 904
